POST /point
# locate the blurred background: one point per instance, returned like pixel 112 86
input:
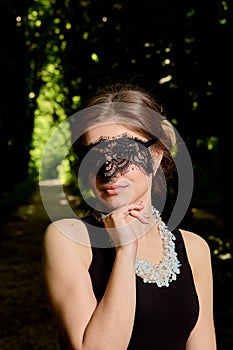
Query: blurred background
pixel 55 54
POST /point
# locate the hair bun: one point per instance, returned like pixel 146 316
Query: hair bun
pixel 169 138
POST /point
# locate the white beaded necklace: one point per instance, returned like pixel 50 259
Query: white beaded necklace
pixel 166 270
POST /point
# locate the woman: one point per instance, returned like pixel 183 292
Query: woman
pixel 118 278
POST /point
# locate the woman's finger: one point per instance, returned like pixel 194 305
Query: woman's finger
pixel 141 216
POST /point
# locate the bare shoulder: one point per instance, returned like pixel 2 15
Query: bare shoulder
pixel 194 241
pixel 69 236
pixel 73 229
pixel 197 248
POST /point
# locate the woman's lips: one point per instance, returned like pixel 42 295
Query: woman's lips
pixel 114 189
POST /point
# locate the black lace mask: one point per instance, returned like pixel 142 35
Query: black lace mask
pixel 108 157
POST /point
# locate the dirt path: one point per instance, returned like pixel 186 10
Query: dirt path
pixel 25 319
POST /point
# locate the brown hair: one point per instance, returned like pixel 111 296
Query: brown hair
pixel 139 111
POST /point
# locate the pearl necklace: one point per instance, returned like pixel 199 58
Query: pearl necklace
pixel 166 270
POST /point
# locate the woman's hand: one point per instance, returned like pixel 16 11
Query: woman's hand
pixel 118 225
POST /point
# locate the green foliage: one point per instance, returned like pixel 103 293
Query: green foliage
pixel 48 115
pixel 52 95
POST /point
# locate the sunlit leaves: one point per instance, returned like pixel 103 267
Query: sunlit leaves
pixel 221 248
pixel 94 57
pixel 223 13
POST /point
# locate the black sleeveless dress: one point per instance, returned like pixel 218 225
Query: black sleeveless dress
pixel 164 316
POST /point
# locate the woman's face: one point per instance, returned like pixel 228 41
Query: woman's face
pixel 123 187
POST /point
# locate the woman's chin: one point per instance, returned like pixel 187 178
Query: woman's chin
pixel 114 201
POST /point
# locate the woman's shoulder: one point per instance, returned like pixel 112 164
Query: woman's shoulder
pixel 71 228
pixel 68 235
pixel 194 241
pixel 197 248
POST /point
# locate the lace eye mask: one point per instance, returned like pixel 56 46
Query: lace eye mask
pixel 108 157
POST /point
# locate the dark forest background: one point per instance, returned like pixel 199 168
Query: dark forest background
pixel 56 53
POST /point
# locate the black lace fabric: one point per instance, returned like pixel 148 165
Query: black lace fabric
pixel 108 157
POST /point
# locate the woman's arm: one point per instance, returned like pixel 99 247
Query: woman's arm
pixel 203 334
pixel 83 323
